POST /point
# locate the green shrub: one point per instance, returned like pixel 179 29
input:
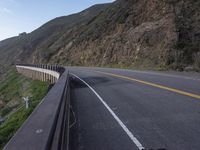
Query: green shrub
pixel 11 90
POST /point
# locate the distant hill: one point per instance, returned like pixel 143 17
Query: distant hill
pixel 126 33
pixel 43 42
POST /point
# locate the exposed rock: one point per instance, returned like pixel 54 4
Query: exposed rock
pixel 189 68
pixel 147 33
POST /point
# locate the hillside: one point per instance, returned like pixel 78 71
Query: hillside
pixel 127 33
pixel 12 110
pixel 24 48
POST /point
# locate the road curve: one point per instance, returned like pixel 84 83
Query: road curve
pixel 115 109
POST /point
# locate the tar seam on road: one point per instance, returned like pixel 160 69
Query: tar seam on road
pixel 152 84
pixel 128 132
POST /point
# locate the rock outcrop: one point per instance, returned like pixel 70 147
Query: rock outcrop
pixel 126 33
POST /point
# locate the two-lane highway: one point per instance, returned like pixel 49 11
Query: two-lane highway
pixel 117 109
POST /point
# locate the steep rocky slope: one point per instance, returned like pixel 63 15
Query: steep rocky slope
pixel 126 33
pixel 43 41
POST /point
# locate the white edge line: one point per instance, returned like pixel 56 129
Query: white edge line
pixel 128 132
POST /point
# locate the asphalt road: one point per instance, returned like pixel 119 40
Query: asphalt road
pixel 116 109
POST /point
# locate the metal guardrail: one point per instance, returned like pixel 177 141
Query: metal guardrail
pixel 47 128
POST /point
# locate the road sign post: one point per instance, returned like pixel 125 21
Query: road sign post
pixel 26 99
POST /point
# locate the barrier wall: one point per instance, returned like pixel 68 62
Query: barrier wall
pixel 47 128
pixel 50 73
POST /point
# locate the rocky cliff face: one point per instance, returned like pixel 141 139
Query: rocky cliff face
pixel 126 33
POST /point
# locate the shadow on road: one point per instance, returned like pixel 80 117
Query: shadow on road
pixel 76 83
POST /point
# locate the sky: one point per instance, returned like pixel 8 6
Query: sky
pixel 17 16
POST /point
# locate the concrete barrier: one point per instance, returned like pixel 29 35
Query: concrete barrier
pixel 47 128
pixel 40 72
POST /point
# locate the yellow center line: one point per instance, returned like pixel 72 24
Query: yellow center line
pixel 153 84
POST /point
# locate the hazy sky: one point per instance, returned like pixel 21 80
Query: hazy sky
pixel 18 16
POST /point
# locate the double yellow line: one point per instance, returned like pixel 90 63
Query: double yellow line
pixel 152 84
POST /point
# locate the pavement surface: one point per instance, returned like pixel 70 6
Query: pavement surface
pixel 115 109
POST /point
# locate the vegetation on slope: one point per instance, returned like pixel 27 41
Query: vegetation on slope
pixel 46 40
pixel 12 89
pixel 162 34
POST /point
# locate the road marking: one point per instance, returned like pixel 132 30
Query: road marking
pixel 128 132
pixel 165 75
pixel 153 84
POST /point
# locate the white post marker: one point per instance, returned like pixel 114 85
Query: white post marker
pixel 26 99
pixel 128 132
